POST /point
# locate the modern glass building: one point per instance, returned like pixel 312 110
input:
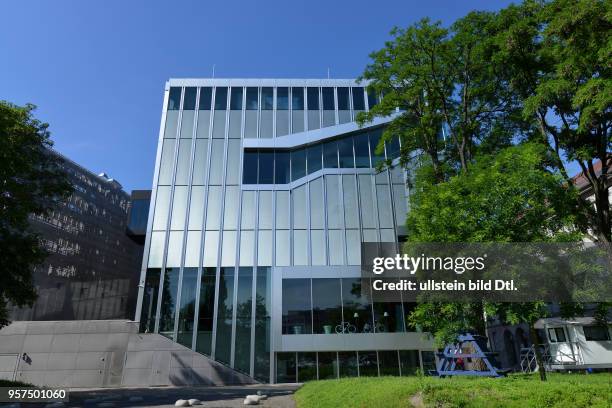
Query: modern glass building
pixel 263 191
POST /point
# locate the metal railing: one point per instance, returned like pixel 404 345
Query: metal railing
pixel 554 356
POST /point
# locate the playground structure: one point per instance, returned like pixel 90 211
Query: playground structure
pixel 469 356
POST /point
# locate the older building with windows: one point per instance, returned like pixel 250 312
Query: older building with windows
pixel 264 190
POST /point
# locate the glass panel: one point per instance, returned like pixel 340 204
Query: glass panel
pixel 388 317
pixel 298 164
pixel 385 214
pixel 282 209
pixel 266 128
pixel 368 217
pixel 286 368
pixel 328 365
pixel 297 121
pixel 358 101
pixel 187 310
pixel 168 304
pixel 171 124
pixel 247 248
pixel 282 123
pixel 184 159
pixel 318 247
pixel 205 316
pixel 343 98
pixel 216 162
pixel 368 364
pixel 187 124
pixel 370 235
pixel 326 306
pixel 317 208
pixel 251 98
pixel 372 98
pixel 166 165
pixel 213 213
pixel 174 98
pixel 334 207
pixel 162 205
pixel 219 125
pixel 307 366
pixel 282 248
pixel 224 315
pixel 248 210
pixel 387 235
pixel 233 162
pixel 200 161
pixel 328 98
pixel 175 248
pixel 388 361
pixel 179 208
pixel 300 247
pixel 297 316
pixel 203 124
pixel 299 206
pixel 192 252
pixel 234 124
pixel 393 148
pixel 250 124
pixel 330 155
pixel 336 247
pixel 353 247
pixel 345 148
pixel 375 136
pixel 362 150
pixel 211 247
pixel 242 360
pixel 249 163
pixel 348 363
pixel 314 119
pixel 297 98
pixel 282 170
pixel 267 98
pixel 351 207
pixel 400 201
pixel 262 324
pixel 205 98
pixel 266 167
pixel 156 252
pixel 409 361
pixel 228 249
pixel 221 98
pixel 149 301
pixel 189 101
pixel 264 248
pixel 357 310
pixel 230 210
pixel 314 153
pixel 236 99
pixel 282 98
pixel 265 210
pixel 313 98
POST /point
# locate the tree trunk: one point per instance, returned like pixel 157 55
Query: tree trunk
pixel 533 336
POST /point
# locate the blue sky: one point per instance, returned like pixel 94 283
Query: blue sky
pixel 97 70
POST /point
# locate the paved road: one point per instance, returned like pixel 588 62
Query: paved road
pixel 279 396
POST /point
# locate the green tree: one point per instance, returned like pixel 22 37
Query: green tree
pixel 32 181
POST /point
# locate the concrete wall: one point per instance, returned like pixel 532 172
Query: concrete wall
pixel 103 353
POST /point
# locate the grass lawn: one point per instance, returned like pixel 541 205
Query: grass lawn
pixel 561 390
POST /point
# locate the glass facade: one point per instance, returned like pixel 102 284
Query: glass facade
pixel 246 237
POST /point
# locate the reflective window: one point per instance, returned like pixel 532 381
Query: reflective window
pixel 388 317
pixel 267 98
pixel 300 247
pixel 297 98
pixel 174 98
pixel 265 209
pixel 219 124
pixel 235 123
pixel 216 162
pixel 189 101
pixel 203 124
pixel 326 306
pixel 345 149
pixel 317 243
pixel 330 155
pixel 242 360
pixel 262 324
pixel 162 206
pixel 211 248
pixel 358 101
pixel 334 206
pixel 328 98
pixel 149 301
pixel 205 316
pixel 372 98
pixel 247 248
pixel 368 215
pixel 353 247
pixel 200 161
pixel 230 209
pixel 166 164
pixel 307 366
pixel 175 247
pixel 266 167
pixel 297 316
pixel 228 248
pixel 286 368
pixel 393 148
pixel 400 202
pixel 192 251
pixel 336 247
pixel 251 98
pixel 205 98
pixel 221 98
pixel 187 125
pixel 249 164
pixel 213 213
pixel 283 251
pixel 184 159
pixel 351 207
pixel 313 98
pixel 348 363
pixel 357 310
pixel 236 99
pixel 343 98
pixel 375 136
pixel 168 304
pixel 156 251
pixel 317 208
pixel 233 162
pixel 328 365
pixel 362 150
pixel 368 364
pixel 171 124
pixel 224 315
pixel 298 164
pixel 179 208
pixel 282 170
pixel 409 362
pixel 299 207
pixel 282 98
pixel 315 162
pixel 264 248
pixel 187 310
pixel 248 210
